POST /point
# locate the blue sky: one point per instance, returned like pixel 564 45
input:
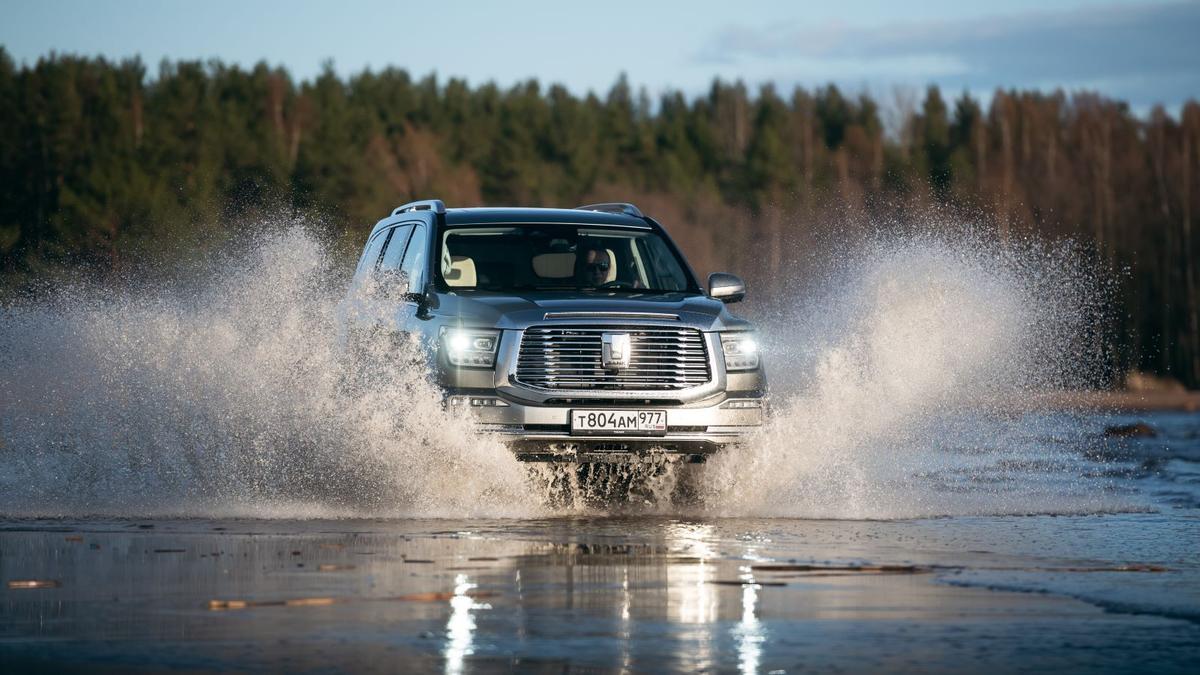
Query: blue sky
pixel 1142 51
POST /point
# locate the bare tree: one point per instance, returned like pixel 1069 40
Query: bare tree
pixel 1002 109
pixel 1158 155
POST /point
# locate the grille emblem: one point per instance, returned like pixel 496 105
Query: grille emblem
pixel 614 350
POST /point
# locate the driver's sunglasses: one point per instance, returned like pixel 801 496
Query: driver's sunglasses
pixel 602 265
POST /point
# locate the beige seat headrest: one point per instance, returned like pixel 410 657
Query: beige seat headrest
pixel 554 265
pixel 612 266
pixel 461 273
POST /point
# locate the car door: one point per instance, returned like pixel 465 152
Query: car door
pixel 390 278
pixel 352 312
pixel 370 258
pixel 371 303
pixel 387 285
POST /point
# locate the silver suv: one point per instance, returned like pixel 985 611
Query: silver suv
pixel 574 334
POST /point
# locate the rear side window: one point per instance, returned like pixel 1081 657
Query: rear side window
pixel 370 256
pixel 394 252
pixel 415 258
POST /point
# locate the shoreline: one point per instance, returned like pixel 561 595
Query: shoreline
pixel 1121 400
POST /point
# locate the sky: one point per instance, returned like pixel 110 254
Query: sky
pixel 1141 51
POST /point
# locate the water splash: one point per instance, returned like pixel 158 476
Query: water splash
pixel 229 398
pixel 905 387
pixel 895 384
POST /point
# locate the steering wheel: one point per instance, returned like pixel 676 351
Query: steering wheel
pixel 616 283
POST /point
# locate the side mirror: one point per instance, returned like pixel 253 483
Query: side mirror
pixel 726 287
pixel 402 290
pixel 427 300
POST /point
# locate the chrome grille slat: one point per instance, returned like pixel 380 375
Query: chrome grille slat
pixel 568 358
pixel 600 374
pixel 601 371
pixel 654 358
pixel 656 363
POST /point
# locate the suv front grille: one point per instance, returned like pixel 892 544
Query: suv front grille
pixel 570 359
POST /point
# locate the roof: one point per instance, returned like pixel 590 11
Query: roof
pixel 489 215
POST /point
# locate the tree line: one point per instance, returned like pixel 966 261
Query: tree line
pixel 103 167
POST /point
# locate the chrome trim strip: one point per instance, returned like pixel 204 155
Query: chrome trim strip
pixel 564 437
pixel 550 316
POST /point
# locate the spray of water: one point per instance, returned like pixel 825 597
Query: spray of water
pixel 230 398
pixel 893 384
pixel 905 386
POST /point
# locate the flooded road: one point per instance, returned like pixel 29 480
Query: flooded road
pixel 643 594
pixel 194 478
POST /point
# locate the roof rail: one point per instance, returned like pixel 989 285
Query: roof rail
pixel 435 205
pixel 613 207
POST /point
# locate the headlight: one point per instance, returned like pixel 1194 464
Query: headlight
pixel 741 351
pixel 471 347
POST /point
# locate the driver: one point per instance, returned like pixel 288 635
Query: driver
pixel 591 264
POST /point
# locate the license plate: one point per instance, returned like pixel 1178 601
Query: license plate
pixel 619 422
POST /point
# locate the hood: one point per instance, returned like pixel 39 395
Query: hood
pixel 520 310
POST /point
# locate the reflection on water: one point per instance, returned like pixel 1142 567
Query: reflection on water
pixel 749 632
pixel 610 595
pixel 696 596
pixel 695 600
pixel 695 539
pixel 626 624
pixel 692 597
pixel 460 628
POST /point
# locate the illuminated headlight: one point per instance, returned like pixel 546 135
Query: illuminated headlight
pixel 741 351
pixel 470 347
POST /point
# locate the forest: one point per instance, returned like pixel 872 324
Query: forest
pixel 107 168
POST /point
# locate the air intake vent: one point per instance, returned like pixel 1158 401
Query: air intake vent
pixel 570 358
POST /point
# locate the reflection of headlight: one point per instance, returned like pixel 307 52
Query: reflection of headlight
pixel 741 351
pixel 472 347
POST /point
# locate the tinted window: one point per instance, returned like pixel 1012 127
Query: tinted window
pixel 370 255
pixel 414 259
pixel 394 252
pixel 560 257
pixel 654 254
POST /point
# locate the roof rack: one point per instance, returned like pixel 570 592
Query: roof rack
pixel 613 207
pixel 435 205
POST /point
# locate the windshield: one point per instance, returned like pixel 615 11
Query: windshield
pixel 560 257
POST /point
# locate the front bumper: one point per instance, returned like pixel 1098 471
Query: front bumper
pixel 543 433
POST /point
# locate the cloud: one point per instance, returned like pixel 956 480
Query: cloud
pixel 1142 52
